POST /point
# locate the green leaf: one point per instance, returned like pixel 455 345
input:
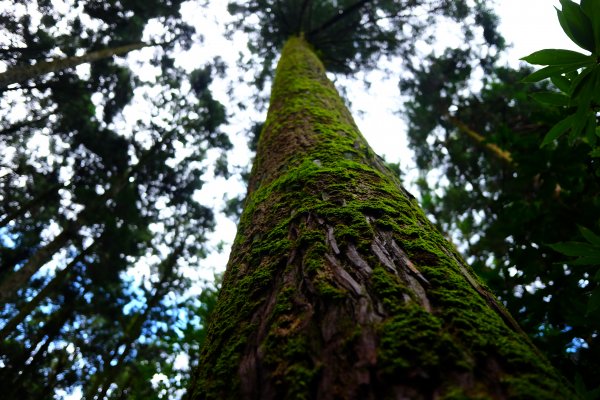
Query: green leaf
pixel 558 57
pixel 551 98
pixel 551 70
pixel 561 82
pixel 587 260
pixel 594 301
pixel 589 235
pixel 591 9
pixel 579 121
pixel 564 25
pixel 557 130
pixel 590 129
pixel 580 82
pixel 582 95
pixel 576 25
pixel 574 249
pixel 596 152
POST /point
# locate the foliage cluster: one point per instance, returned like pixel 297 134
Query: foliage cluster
pixel 512 189
pixel 97 210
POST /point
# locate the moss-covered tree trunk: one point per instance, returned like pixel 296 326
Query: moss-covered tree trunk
pixel 338 287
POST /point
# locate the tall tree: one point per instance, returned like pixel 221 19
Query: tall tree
pixel 339 287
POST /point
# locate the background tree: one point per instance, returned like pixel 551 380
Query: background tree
pixel 90 200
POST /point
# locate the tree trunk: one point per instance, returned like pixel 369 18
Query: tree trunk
pixel 58 281
pixel 23 73
pixel 480 140
pixel 338 287
pixel 11 284
pixel 103 379
pixel 29 363
pixel 15 280
pixel 31 205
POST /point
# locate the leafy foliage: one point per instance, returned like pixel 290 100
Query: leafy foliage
pixel 97 210
pixel 504 214
pixel 585 253
pixel 576 75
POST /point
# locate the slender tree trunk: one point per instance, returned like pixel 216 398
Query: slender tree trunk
pixel 12 129
pixel 338 287
pixel 23 73
pixel 103 379
pixel 11 284
pixel 31 205
pixel 499 153
pixel 29 363
pixel 59 280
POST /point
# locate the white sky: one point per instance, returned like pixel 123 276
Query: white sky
pixel 529 25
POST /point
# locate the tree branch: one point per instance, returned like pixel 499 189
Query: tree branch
pixel 338 17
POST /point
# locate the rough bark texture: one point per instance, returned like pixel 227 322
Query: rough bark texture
pixel 338 287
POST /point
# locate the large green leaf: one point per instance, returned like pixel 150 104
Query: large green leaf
pixel 576 24
pixel 586 253
pixel 552 70
pixel 561 82
pixel 584 89
pixel 551 98
pixel 558 57
pixel 594 302
pixel 590 129
pixel 589 235
pixel 591 8
pixel 581 83
pixel 574 249
pixel 586 260
pixel 558 129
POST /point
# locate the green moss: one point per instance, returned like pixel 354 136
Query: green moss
pixel 329 292
pixel 414 339
pixel 456 393
pixel 287 350
pixel 389 288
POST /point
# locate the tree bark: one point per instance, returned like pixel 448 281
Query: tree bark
pixel 338 287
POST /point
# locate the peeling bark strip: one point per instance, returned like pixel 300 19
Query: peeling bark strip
pixel 338 287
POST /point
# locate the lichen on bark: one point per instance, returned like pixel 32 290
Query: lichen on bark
pixel 339 287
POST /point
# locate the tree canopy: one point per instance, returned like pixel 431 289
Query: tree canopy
pixel 98 213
